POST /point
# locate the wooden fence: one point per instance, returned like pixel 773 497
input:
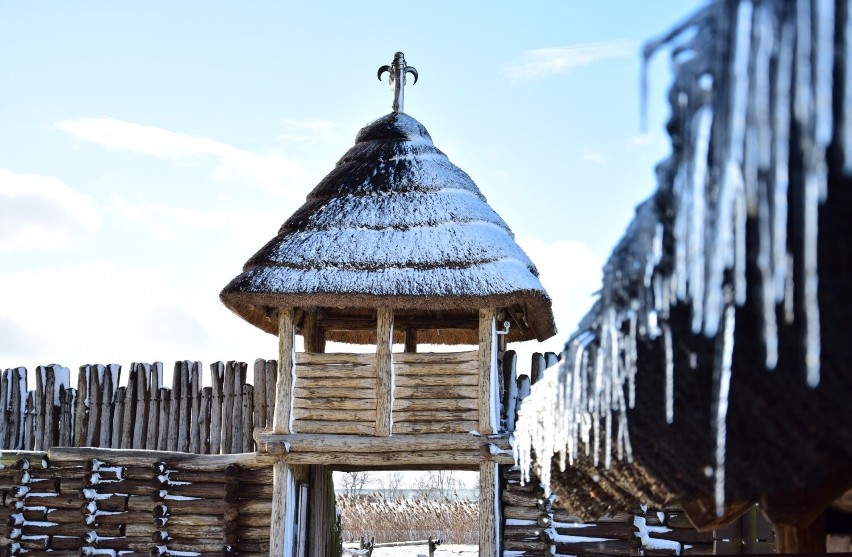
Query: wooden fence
pixel 140 412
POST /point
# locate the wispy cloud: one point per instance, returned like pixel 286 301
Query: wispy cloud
pixel 307 131
pixel 268 170
pixel 40 211
pixel 593 155
pixel 544 62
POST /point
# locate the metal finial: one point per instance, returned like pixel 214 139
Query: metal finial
pixel 396 72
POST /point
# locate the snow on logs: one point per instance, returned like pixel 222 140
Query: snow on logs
pixel 136 503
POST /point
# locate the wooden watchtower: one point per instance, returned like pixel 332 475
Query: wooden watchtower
pixel 395 246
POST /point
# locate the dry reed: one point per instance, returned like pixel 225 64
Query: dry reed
pixel 392 520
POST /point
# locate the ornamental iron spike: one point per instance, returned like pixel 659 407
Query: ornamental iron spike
pixel 397 71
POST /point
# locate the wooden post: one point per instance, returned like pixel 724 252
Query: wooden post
pixel 487 371
pixel 384 371
pixel 283 507
pixel 313 334
pixel 489 510
pixel 411 340
pixel 282 421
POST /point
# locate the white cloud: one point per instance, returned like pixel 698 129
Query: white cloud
pixel 571 274
pixel 593 155
pixel 42 211
pixel 544 62
pixel 105 313
pixel 269 170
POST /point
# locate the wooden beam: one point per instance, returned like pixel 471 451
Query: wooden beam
pixel 330 443
pixel 384 371
pixel 423 459
pixel 283 420
pixel 489 510
pixel 487 371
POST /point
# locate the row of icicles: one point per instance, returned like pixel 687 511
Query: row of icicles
pixel 732 166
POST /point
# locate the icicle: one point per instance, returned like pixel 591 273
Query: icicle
pixel 669 366
pixel 781 156
pixel 696 208
pixel 722 385
pixel 811 301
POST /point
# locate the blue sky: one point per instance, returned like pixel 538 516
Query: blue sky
pixel 148 149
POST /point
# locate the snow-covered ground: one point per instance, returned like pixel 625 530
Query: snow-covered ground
pixel 415 550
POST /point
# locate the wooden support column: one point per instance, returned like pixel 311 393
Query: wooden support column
pixel 321 505
pixel 489 510
pixel 313 334
pixel 487 371
pixel 282 421
pixel 384 371
pixel 281 533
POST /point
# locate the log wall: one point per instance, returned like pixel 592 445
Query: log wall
pixel 436 393
pixel 335 393
pixel 137 503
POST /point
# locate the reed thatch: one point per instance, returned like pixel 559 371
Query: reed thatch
pixel 714 369
pixel 395 224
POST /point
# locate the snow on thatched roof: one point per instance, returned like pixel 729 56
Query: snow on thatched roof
pixel 715 366
pixel 395 224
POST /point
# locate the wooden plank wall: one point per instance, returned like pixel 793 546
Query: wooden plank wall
pixel 138 411
pixel 149 504
pixel 436 393
pixel 335 393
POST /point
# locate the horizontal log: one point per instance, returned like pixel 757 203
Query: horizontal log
pixel 335 403
pixel 451 392
pixel 314 426
pixel 171 507
pixel 125 457
pixel 206 490
pixel 254 533
pixel 48 529
pixel 244 546
pixel 62 543
pixel 254 520
pixel 190 535
pixel 430 458
pixel 435 427
pixel 560 515
pixel 306 358
pixel 130 487
pixel 436 380
pixel 337 382
pixel 515 532
pixel 410 370
pixel 469 356
pixel 164 523
pixel 524 545
pixel 524 513
pixel 525 499
pixel 396 443
pixel 302 392
pixel 435 404
pixel 327 371
pixel 24 459
pixel 607 547
pixel 256 506
pixel 125 517
pixel 616 530
pixel 434 416
pixel 140 529
pixel 333 415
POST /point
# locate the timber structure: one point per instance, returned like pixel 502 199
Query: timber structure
pixel 396 248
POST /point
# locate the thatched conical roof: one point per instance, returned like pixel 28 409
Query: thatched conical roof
pixel 395 224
